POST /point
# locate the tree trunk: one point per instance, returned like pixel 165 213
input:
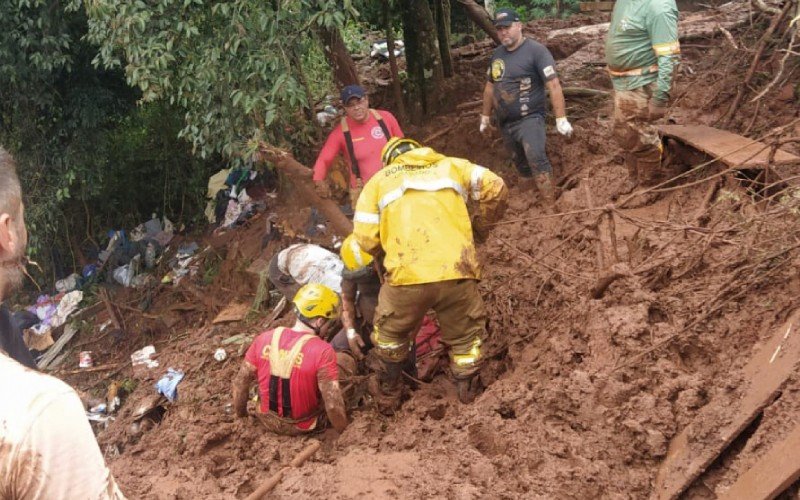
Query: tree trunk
pixel 300 177
pixel 480 17
pixel 443 34
pixel 397 88
pixel 344 69
pixel 423 61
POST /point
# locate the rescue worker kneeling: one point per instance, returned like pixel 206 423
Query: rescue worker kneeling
pixel 294 367
pixel 415 211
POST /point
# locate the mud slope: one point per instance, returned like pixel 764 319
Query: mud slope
pixel 584 393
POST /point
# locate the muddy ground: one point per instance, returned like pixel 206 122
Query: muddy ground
pixel 584 393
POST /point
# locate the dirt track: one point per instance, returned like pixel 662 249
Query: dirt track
pixel 583 398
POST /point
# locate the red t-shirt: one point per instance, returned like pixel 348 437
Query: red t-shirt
pixel 368 140
pixel 316 355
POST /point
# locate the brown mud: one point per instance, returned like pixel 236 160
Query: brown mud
pixel 583 394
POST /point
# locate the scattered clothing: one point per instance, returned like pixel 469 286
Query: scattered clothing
pixel 168 385
pixel 304 263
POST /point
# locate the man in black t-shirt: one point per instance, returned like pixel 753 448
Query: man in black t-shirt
pixel 518 73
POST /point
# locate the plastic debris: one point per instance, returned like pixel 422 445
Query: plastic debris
pixel 85 359
pixel 69 283
pixel 144 357
pixel 381 49
pixel 220 355
pixel 167 386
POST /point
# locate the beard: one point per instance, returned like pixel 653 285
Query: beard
pixel 12 272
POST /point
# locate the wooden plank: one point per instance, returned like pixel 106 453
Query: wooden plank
pixel 49 356
pixel 723 419
pixel 732 149
pixel 234 312
pixel 595 6
pixel 772 474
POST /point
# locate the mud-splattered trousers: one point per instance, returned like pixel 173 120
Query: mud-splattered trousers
pixel 635 134
pixel 459 308
pixel 525 139
pixel 415 211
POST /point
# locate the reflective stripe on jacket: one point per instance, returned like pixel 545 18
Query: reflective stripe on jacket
pixel 415 209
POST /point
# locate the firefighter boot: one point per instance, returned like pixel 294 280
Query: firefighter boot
pixel 386 387
pixel 469 387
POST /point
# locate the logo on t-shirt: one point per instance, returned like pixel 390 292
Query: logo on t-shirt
pixel 549 71
pixel 377 132
pixel 498 69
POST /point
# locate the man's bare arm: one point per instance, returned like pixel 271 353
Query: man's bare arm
pixel 557 98
pixel 241 388
pixel 332 397
pixel 488 91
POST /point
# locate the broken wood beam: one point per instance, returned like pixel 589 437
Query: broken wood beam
pixel 300 176
pixel 697 446
pixel 772 474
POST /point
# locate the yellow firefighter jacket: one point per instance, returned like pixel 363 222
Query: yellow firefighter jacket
pixel 415 210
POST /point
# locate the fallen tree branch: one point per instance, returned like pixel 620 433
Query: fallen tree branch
pixel 728 37
pixel 762 44
pixel 779 73
pixel 273 481
pixel 762 6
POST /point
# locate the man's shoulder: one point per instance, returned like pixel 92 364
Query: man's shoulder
pixel 659 7
pixel 533 47
pixel 28 391
pixel 385 114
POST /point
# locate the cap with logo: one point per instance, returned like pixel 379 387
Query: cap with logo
pixel 505 17
pixel 352 91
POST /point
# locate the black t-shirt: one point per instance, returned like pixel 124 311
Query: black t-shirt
pixel 519 77
pixel 11 339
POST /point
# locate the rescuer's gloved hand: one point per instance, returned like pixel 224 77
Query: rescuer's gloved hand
pixel 563 126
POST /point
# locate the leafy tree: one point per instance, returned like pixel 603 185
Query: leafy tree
pixel 239 69
pixel 89 158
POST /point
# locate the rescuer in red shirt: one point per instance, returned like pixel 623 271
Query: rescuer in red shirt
pixel 359 137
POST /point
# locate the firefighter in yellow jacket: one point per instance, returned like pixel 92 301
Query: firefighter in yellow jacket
pixel 414 211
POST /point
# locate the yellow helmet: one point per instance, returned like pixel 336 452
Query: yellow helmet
pixel 397 146
pixel 316 301
pixel 353 256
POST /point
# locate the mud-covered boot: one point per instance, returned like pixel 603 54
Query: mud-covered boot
pixel 386 387
pixel 648 169
pixel 526 184
pixel 547 191
pixel 468 388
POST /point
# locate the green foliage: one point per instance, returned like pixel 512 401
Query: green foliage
pixel 89 159
pixel 233 67
pixel 529 10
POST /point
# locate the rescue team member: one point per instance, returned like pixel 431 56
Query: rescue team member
pixel 518 73
pixel 359 136
pixel 360 287
pixel 48 447
pixel 642 52
pixel 304 263
pixel 415 212
pixel 294 367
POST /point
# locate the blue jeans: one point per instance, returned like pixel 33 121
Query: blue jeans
pixel 525 139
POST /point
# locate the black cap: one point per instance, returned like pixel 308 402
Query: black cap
pixel 504 17
pixel 352 91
